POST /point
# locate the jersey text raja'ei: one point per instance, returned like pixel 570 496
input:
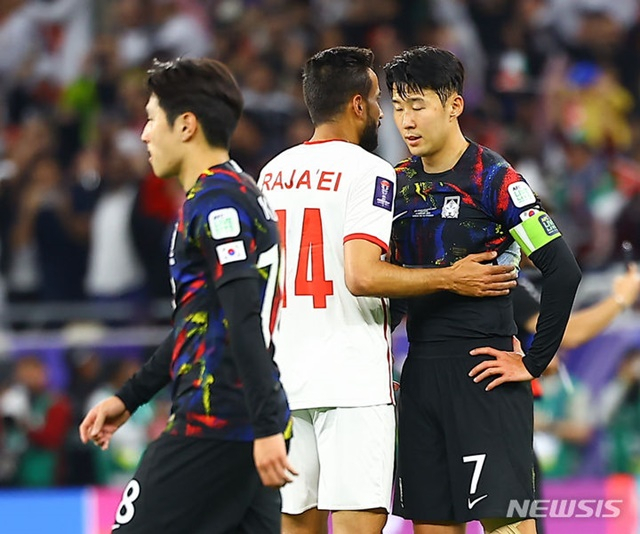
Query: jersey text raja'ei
pixel 333 349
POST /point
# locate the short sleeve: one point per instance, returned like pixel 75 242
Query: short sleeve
pixel 369 208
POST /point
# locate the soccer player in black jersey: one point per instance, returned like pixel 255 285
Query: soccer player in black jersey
pixel 466 413
pixel 219 463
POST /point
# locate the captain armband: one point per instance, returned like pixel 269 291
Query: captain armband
pixel 535 231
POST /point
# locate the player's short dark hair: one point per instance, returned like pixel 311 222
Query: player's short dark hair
pixel 332 77
pixel 423 68
pixel 204 87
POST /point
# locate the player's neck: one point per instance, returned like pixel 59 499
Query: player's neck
pixel 446 158
pixel 335 130
pixel 199 160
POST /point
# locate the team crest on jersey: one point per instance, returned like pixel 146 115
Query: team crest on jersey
pixel 521 194
pixel 383 196
pixel 224 223
pixel 451 207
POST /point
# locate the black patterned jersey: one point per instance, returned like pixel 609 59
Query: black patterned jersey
pixel 225 232
pixel 439 219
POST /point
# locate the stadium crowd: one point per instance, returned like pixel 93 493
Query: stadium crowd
pixel 554 85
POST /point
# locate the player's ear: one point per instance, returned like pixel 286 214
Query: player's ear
pixel 456 106
pixel 187 124
pixel 357 105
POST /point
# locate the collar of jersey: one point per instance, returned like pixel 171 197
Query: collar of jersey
pixel 324 141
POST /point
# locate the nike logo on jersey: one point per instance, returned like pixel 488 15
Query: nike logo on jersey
pixel 472 503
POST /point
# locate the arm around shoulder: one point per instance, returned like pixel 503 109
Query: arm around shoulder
pixel 367 275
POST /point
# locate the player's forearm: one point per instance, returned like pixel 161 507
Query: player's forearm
pixel 560 279
pixel 382 279
pixel 263 393
pixel 149 379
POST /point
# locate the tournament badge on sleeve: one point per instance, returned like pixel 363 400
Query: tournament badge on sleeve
pixel 383 196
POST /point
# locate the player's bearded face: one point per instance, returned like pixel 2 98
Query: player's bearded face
pixel 369 139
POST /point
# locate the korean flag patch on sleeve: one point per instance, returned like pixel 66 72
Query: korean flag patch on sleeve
pixel 230 252
pixel 383 195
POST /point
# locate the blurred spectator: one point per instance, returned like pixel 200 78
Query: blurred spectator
pixel 133 32
pixel 53 218
pixel 563 422
pixel 267 106
pixel 628 227
pixel 590 105
pixel 454 30
pixel 178 33
pixel 586 203
pixel 581 23
pixel 14 407
pixel 18 42
pixel 86 371
pixel 19 262
pixel 44 420
pixel 85 374
pixel 66 27
pixel 114 271
pixel 619 405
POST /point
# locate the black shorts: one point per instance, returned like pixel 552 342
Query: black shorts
pixel 197 486
pixel 463 453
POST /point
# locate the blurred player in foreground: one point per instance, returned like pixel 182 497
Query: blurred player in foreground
pixel 218 465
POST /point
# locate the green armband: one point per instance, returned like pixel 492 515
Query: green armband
pixel 535 232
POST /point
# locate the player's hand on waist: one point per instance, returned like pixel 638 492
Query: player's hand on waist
pixel 473 277
pixel 272 463
pixel 505 367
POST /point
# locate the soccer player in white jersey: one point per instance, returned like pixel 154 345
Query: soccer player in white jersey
pixel 334 202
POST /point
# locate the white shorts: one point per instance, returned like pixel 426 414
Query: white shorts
pixel 344 457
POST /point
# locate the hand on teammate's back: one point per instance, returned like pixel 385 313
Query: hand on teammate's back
pixel 475 278
pixel 272 463
pixel 102 421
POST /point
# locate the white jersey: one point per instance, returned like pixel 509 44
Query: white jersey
pixel 333 349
